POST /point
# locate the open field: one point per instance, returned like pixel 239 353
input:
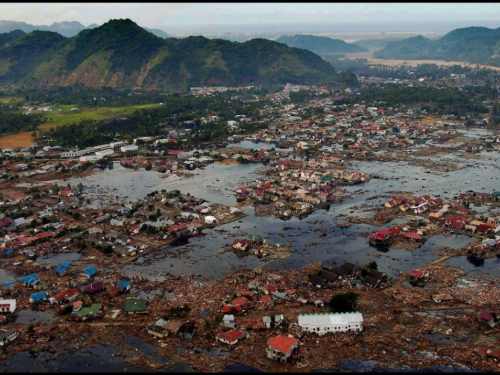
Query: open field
pixel 23 139
pixel 372 60
pixel 353 37
pixel 7 99
pixel 67 116
pixel 13 141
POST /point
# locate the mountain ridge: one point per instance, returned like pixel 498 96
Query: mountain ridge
pixel 319 44
pixel 120 53
pixel 479 45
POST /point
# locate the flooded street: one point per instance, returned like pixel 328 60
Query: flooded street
pixel 217 182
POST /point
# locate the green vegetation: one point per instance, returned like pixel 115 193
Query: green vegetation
pixel 431 99
pixel 478 45
pixel 121 54
pixel 344 302
pixel 12 120
pixel 319 44
pixel 346 78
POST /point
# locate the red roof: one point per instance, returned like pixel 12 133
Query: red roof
pixel 174 228
pixel 377 237
pixel 241 301
pixel 265 299
pixel 486 315
pixel 271 288
pixel 66 294
pixel 228 308
pixel 282 343
pixel 412 236
pixel 231 336
pixel 419 274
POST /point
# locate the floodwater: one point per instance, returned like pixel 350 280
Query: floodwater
pixel 57 259
pixel 6 276
pixel 216 183
pixel 31 317
pixel 87 359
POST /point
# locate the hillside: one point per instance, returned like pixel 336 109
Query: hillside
pixel 122 54
pixel 478 45
pixel 319 44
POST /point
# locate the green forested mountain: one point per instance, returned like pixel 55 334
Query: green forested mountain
pixel 472 44
pixel 122 54
pixel 319 44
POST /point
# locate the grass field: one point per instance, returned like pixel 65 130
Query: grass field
pixel 6 99
pixel 67 116
pixel 23 139
pixel 372 60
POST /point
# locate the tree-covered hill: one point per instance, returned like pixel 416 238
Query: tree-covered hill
pixel 319 44
pixel 479 45
pixel 121 54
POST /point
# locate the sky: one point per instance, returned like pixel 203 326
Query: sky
pixel 184 17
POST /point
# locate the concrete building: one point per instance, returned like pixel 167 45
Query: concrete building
pixel 331 322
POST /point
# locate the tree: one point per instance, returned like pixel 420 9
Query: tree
pixel 345 302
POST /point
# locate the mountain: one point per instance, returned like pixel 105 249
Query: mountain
pixel 158 32
pixel 479 45
pixel 121 54
pixel 319 44
pixel 65 28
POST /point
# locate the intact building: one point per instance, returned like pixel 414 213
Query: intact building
pixel 331 322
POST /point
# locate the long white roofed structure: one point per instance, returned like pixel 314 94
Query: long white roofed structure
pixel 331 322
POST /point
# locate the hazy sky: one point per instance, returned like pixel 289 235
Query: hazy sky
pixel 174 17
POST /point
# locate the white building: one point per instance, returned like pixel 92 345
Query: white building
pixel 129 148
pixel 91 158
pixel 103 153
pixel 117 144
pixel 331 322
pixel 7 305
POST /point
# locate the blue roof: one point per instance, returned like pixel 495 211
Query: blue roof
pixel 8 251
pixel 124 284
pixel 30 279
pixel 90 271
pixel 108 272
pixel 63 267
pixel 38 296
pixel 8 283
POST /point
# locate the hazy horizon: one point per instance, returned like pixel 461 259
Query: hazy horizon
pixel 182 19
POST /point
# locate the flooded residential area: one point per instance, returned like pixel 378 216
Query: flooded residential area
pixel 246 206
pixel 183 259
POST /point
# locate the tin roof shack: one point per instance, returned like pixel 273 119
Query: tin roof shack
pixel 62 269
pixel 7 335
pixel 67 295
pixel 186 331
pixel 489 317
pixel 281 348
pixel 231 337
pixel 317 281
pixel 157 330
pixel 135 306
pixel 94 287
pixel 86 313
pixel 38 297
pixel 331 322
pixel 30 280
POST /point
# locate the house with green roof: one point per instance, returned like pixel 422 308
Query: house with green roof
pixel 135 306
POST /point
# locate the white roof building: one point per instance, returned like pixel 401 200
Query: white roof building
pixel 104 152
pixel 331 322
pixel 129 148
